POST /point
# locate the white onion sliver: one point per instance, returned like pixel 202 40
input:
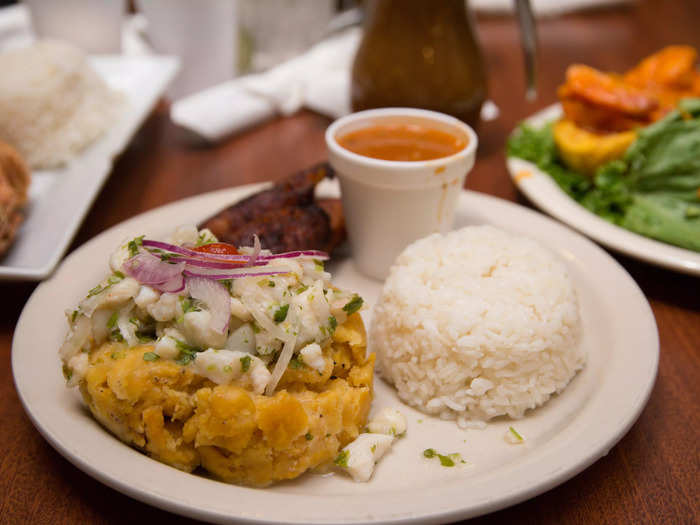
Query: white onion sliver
pixel 281 365
pixel 217 299
pixel 256 252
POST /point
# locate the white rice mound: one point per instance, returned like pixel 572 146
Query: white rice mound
pixel 52 103
pixel 477 323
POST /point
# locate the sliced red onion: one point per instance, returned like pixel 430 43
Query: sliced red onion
pixel 217 299
pixel 149 269
pixel 233 258
pixel 174 285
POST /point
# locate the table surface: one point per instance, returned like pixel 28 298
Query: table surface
pixel 651 476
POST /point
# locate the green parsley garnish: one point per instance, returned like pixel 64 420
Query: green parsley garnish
pixel 332 323
pixel 94 291
pixel 245 363
pixel 188 353
pixel 134 244
pixel 515 433
pixel 354 305
pixel 446 461
pixel 342 458
pixel 112 321
pixel 281 313
pixel 151 356
pixel 205 238
pixel 116 335
pixel 308 437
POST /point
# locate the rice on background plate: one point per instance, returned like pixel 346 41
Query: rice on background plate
pixel 476 324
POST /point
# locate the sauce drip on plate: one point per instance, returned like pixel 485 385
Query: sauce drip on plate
pixel 402 142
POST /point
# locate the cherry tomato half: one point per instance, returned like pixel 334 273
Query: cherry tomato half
pixel 218 248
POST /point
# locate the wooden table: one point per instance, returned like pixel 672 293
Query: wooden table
pixel 651 476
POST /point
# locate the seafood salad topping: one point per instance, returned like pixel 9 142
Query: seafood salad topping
pixel 236 315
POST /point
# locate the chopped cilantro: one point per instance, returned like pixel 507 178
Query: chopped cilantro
pixel 302 289
pixel 151 356
pixel 281 313
pixel 271 284
pixel 227 369
pixel 342 458
pixel 73 316
pixel 116 355
pixel 118 275
pixel 205 238
pixel 188 305
pixel 332 323
pixel 134 244
pixel 94 291
pixel 295 363
pixel 112 321
pixel 116 335
pixel 429 453
pixel 67 372
pixel 227 283
pixel 373 448
pixel 318 265
pixel 188 353
pixel 516 434
pixel 245 363
pixel 446 461
pixel 354 305
pixel 308 437
pixel 256 327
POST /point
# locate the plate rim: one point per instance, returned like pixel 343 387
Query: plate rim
pixel 543 192
pixel 595 451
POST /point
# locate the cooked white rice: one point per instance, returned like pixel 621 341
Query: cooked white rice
pixel 477 324
pixel 52 103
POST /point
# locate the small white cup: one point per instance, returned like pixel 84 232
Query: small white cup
pixel 389 204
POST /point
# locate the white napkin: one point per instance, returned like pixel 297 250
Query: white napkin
pixel 542 7
pixel 319 79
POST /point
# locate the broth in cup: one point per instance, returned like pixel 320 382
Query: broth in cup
pixel 401 171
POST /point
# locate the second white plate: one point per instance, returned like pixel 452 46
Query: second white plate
pixel 569 433
pixel 541 189
pixel 59 199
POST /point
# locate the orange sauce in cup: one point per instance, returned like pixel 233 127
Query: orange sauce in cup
pixel 402 142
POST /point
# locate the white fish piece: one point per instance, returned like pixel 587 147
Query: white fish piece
pixel 312 356
pixel 146 296
pixel 242 339
pixel 362 454
pixel 167 307
pixel 166 347
pixel 78 364
pixel 388 421
pixel 77 338
pixel 239 310
pixel 198 331
pixel 185 234
pixel 119 256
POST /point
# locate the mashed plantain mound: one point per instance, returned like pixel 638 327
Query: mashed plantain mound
pixel 187 421
pixel 251 365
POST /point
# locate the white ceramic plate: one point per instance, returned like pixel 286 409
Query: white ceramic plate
pixel 541 189
pixel 59 199
pixel 562 438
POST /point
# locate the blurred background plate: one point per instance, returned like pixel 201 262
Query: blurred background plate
pixel 541 189
pixel 60 198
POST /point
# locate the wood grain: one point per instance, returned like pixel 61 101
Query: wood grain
pixel 651 476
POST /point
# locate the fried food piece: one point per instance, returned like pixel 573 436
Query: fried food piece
pixel 584 151
pixel 603 102
pixel 609 103
pixel 284 217
pixel 286 229
pixel 186 421
pixel 14 185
